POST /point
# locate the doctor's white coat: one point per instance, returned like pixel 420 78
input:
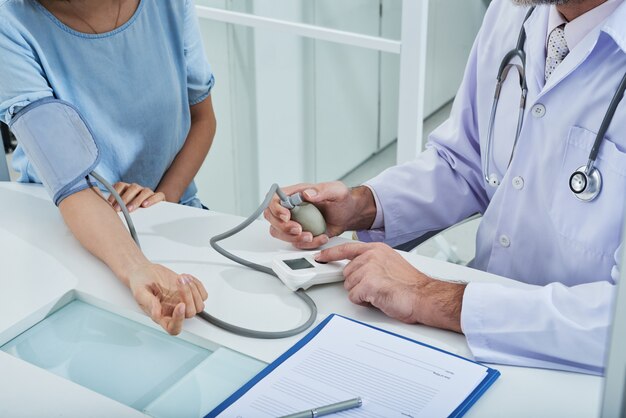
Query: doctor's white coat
pixel 533 228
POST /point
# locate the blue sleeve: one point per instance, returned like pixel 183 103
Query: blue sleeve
pixel 22 79
pixel 200 78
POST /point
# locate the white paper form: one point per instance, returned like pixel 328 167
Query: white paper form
pixel 393 376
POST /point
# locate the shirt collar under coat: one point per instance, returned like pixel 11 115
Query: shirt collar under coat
pixel 577 29
pixel 615 26
pixel 537 30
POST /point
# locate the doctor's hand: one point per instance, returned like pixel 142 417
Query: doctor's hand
pixel 167 297
pixel 343 209
pixel 379 276
pixel 134 196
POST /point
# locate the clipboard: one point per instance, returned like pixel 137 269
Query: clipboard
pixel 490 375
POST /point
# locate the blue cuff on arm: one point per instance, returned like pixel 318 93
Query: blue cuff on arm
pixel 59 144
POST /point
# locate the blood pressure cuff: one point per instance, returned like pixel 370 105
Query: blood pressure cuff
pixel 59 144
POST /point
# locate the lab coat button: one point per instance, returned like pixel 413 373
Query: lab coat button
pixel 539 110
pixel 518 183
pixel 505 241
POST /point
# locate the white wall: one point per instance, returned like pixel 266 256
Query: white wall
pixel 282 99
pixel 223 179
pixel 346 89
pixel 453 27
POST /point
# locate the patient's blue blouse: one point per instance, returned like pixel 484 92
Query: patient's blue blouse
pixel 133 85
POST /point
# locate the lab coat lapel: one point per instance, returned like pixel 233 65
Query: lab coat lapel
pixel 536 30
pixel 573 60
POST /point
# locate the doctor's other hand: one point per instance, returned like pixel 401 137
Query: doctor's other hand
pixel 343 209
pixel 167 297
pixel 135 196
pixel 379 276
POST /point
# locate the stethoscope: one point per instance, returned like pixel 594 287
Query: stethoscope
pixel 586 181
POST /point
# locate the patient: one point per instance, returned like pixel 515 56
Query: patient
pixel 136 73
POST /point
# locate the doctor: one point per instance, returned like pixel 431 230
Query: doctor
pixel 560 245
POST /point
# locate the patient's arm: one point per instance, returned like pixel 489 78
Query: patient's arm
pixel 165 296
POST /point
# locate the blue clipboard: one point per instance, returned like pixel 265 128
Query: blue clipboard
pixel 492 374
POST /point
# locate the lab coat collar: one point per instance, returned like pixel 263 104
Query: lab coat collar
pixel 615 26
pixel 536 31
pixel 573 60
pixel 578 28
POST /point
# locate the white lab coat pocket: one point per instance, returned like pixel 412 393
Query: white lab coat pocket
pixel 594 227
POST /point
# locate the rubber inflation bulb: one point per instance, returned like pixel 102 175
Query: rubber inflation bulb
pixel 310 218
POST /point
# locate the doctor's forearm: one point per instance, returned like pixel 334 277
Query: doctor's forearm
pixel 193 153
pixel 439 304
pixel 364 210
pixel 99 229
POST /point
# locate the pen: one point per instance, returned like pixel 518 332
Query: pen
pixel 327 410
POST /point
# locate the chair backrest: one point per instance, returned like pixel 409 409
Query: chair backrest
pixel 4 168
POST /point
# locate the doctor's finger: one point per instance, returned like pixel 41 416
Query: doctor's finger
pixel 303 241
pixel 295 188
pixel 354 265
pixel 361 294
pixel 290 236
pixel 357 277
pixel 278 212
pixel 288 226
pixel 342 252
pixel 325 192
pixel 316 242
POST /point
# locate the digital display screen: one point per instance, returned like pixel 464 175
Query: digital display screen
pixel 298 264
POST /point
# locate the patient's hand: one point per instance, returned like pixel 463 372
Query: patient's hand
pixel 135 196
pixel 167 297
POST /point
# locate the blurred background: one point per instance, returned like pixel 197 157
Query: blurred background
pixel 293 109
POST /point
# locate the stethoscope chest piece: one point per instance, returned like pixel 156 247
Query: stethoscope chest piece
pixel 585 186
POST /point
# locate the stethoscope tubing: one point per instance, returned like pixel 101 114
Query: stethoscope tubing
pixel 589 171
pixel 608 118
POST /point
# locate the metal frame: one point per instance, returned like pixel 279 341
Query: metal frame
pixel 411 48
pixel 4 169
pixel 412 79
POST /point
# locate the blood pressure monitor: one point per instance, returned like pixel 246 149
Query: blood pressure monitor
pixel 302 271
pixel 297 270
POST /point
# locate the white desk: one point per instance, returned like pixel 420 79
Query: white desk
pixel 40 262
